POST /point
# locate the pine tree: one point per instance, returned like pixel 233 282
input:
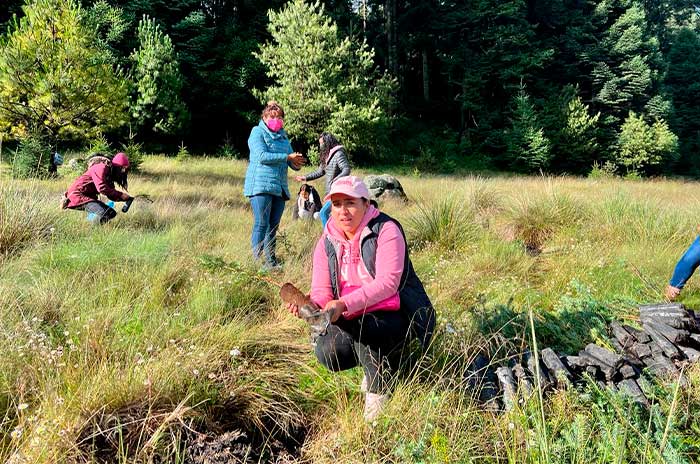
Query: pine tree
pixel 574 132
pixel 626 66
pixel 324 82
pixel 54 79
pixel 528 148
pixel 157 105
pixel 683 82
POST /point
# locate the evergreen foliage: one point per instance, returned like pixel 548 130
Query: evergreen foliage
pixel 157 105
pixel 456 68
pixel 528 148
pixel 32 157
pixel 324 82
pixel 54 79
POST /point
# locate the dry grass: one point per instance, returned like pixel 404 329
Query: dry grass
pixel 118 340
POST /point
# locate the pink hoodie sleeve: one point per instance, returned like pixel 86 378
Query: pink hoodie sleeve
pixel 321 289
pixel 391 249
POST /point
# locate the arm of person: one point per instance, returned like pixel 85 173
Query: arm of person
pixel 343 164
pixel 391 249
pixel 321 289
pixel 99 174
pixel 258 149
pixel 315 174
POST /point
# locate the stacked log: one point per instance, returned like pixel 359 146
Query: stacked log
pixel 669 337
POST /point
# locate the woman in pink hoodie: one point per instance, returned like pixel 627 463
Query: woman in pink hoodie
pixel 363 276
pixel 101 175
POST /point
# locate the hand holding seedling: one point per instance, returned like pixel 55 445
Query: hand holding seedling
pixel 301 306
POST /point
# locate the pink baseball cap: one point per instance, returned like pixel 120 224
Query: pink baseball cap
pixel 351 186
pixel 120 160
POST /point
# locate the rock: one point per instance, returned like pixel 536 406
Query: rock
pixel 385 186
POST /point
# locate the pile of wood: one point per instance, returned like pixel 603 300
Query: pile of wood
pixel 669 337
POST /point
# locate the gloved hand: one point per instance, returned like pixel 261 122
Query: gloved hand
pixel 127 204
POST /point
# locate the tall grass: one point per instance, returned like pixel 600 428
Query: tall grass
pixel 447 224
pixel 26 218
pixel 120 343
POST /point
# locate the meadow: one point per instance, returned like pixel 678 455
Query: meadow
pixel 156 338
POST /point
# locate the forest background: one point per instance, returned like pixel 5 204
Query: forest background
pixel 438 85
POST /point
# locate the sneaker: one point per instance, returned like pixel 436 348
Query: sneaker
pixel 374 404
pixel 672 293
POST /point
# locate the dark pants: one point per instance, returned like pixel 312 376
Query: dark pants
pixel 375 341
pixel 98 212
pixel 267 213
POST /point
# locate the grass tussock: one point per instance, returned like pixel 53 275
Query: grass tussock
pixel 26 217
pixel 447 224
pixel 535 221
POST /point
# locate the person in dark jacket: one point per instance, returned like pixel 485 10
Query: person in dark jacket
pixel 100 177
pixel 362 275
pixel 334 164
pixel 266 182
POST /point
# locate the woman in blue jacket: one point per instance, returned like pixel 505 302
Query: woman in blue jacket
pixel 266 179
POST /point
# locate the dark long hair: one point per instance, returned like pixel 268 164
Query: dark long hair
pixel 119 178
pixel 328 142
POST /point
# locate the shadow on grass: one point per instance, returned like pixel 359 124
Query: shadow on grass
pixel 575 322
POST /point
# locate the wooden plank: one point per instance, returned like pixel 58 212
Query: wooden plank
pixel 507 383
pixel 668 348
pixel 631 387
pixel 561 375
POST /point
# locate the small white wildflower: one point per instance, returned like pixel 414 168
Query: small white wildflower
pixel 22 406
pixel 172 341
pixel 511 426
pixel 235 352
pixel 195 372
pixel 66 333
pixel 211 376
pixel 16 433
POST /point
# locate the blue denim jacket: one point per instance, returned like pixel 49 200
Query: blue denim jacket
pixel 267 171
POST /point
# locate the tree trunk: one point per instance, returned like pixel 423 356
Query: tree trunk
pixel 426 76
pixel 392 60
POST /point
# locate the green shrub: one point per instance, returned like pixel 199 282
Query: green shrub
pixel 99 145
pixel 606 170
pixel 135 153
pixel 643 145
pixel 32 158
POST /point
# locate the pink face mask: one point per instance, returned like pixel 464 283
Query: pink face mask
pixel 275 124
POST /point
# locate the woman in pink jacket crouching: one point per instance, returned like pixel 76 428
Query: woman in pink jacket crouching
pixel 363 276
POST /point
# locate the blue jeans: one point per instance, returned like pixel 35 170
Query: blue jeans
pixel 325 213
pixel 686 265
pixel 267 213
